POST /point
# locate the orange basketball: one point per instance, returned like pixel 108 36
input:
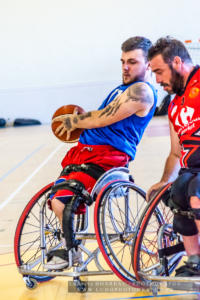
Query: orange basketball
pixel 67 109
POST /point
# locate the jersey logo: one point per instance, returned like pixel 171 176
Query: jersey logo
pixel 185 116
pixel 194 92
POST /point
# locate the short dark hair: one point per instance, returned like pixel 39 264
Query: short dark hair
pixel 169 47
pixel 137 42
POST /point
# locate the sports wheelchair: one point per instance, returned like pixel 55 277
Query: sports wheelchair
pixel 157 249
pixel 118 206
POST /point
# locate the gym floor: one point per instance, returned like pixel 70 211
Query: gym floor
pixel 30 158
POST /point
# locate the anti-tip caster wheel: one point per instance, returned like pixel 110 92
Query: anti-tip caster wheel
pixel 81 286
pixel 31 283
pixel 155 288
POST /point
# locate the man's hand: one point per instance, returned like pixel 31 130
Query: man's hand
pixel 151 192
pixel 66 124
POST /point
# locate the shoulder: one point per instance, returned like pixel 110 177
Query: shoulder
pixel 142 91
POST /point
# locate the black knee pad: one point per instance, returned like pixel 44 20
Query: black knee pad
pixel 179 191
pixel 185 186
pixel 196 213
pixel 184 225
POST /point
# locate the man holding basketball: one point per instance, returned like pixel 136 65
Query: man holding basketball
pixel 109 140
pixel 173 67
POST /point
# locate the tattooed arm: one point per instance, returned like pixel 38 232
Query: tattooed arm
pixel 137 99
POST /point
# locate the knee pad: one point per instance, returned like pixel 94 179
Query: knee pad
pixel 179 197
pixel 196 213
pixel 184 225
pixel 184 218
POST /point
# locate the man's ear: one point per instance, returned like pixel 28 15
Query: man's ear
pixel 177 63
pixel 148 66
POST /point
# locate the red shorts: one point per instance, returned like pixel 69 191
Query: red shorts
pixel 105 156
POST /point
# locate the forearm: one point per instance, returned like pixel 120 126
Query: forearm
pixel 112 113
pixel 88 120
pixel 171 169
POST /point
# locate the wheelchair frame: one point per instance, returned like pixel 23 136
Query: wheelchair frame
pixel 113 186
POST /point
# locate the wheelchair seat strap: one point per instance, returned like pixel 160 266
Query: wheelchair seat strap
pixel 91 169
pixel 171 250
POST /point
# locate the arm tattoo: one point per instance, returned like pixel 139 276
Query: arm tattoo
pixel 68 124
pixel 111 109
pixel 137 92
pixel 76 119
pixel 85 116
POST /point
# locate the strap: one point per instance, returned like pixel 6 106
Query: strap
pixel 188 213
pixel 76 187
pixel 171 250
pixel 91 169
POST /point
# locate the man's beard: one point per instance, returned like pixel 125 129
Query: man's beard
pixel 139 77
pixel 177 82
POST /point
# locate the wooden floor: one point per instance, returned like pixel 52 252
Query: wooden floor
pixel 30 158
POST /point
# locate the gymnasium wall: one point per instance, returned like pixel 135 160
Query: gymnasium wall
pixel 56 52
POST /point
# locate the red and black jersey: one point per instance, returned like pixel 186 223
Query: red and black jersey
pixel 184 113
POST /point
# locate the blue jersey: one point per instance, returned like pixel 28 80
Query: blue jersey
pixel 123 135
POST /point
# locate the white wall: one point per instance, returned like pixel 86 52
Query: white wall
pixel 55 52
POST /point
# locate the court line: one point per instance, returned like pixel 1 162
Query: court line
pixel 20 163
pixel 152 296
pixel 2 205
pixel 5 265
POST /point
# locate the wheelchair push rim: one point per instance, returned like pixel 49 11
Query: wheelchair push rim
pixel 154 231
pixel 115 231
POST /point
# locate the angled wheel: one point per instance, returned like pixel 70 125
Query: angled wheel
pixel 31 283
pixel 117 210
pixel 27 236
pixel 152 252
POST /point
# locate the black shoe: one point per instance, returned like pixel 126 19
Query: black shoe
pixel 191 267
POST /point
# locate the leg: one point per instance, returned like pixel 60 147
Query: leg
pixel 65 205
pixel 191 243
pixel 58 208
pixel 195 203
